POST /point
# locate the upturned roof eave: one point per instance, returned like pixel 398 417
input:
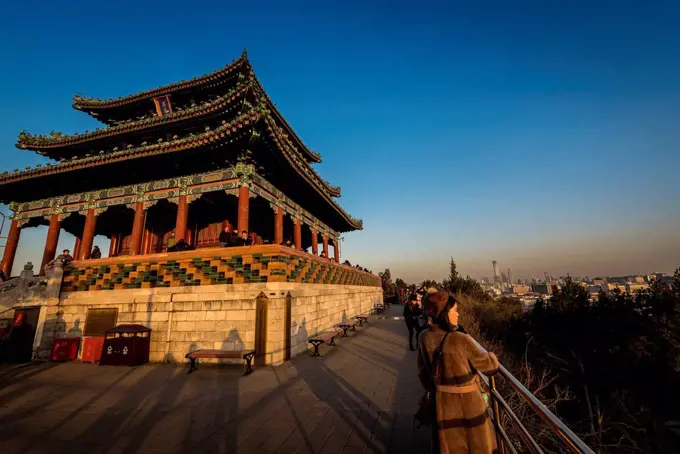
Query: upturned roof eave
pixel 60 143
pixel 94 107
pixel 91 105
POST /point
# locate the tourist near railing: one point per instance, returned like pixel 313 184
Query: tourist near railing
pixel 499 405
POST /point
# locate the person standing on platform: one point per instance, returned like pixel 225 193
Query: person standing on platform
pixel 412 313
pixel 225 237
pixel 96 253
pixel 447 360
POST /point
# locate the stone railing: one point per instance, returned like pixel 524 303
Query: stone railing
pixel 211 266
pixel 27 288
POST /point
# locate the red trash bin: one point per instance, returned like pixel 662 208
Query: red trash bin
pixel 126 345
pixel 65 349
pixel 92 349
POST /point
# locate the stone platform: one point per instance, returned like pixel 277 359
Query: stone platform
pixel 359 397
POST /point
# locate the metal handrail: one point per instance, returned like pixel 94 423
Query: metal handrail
pixel 573 442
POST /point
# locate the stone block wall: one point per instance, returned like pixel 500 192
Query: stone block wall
pixel 215 317
pixel 316 310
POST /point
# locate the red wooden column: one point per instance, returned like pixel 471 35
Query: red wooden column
pixel 51 242
pixel 278 226
pixel 76 248
pixel 113 248
pixel 325 244
pixel 148 239
pixel 182 215
pixel 298 234
pixel 137 229
pixel 315 242
pixel 336 250
pixel 243 209
pixel 88 235
pixel 189 235
pixel 11 247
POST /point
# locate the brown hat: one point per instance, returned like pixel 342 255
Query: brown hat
pixel 435 303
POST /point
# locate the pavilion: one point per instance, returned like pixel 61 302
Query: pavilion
pixel 187 161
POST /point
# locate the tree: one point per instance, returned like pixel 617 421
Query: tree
pixel 457 284
pixel 388 286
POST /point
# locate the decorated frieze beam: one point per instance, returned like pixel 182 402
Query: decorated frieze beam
pixel 192 186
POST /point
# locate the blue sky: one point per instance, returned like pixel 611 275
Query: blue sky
pixel 544 137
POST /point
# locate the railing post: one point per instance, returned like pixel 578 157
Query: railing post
pixel 496 414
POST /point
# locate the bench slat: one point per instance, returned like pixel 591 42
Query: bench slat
pixel 218 353
pixel 246 355
pixel 324 336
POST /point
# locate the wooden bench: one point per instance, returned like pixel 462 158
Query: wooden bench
pixel 247 355
pixel 347 325
pixel 379 308
pixel 325 337
pixel 362 318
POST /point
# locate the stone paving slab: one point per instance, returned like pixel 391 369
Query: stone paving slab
pixel 359 397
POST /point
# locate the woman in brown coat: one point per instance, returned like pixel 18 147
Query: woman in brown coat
pixel 462 418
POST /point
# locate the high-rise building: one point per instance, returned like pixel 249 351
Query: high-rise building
pixel 504 278
pixel 547 278
pixel 496 275
pixel 510 276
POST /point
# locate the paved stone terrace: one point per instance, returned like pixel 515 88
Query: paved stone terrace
pixel 358 398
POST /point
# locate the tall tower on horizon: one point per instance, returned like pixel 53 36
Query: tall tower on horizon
pixel 510 276
pixel 496 274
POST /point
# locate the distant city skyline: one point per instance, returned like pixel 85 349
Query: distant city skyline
pixel 541 136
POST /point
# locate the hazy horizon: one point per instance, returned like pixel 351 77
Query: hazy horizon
pixel 543 137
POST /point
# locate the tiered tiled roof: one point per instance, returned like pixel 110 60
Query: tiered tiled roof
pixel 244 106
pixel 95 105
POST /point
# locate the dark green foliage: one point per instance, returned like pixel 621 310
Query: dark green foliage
pixel 457 284
pixel 619 355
